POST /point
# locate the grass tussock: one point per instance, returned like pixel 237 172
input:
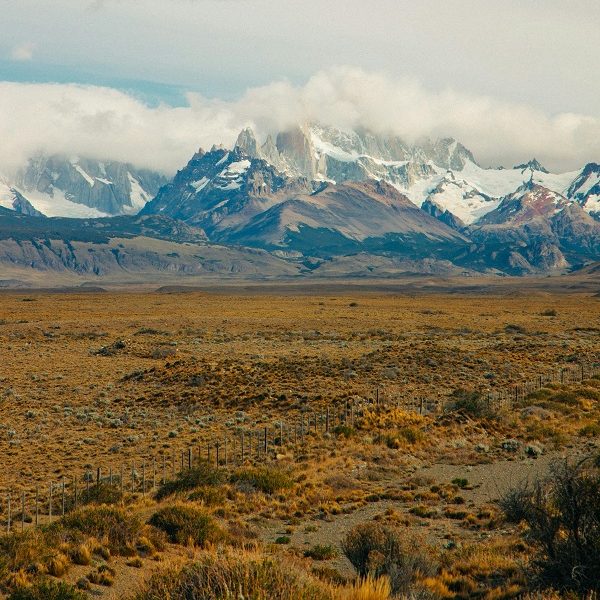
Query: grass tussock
pixel 47 589
pixel 230 576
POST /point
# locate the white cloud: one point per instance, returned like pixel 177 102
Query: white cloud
pixel 108 124
pixel 23 52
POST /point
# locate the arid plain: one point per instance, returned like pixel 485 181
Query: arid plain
pixel 361 396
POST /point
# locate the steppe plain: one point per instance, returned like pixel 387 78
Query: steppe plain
pixel 125 380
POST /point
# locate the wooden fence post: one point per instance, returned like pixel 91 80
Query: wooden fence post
pixel 9 515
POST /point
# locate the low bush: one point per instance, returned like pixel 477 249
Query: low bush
pixel 265 479
pixel 321 552
pixel 118 528
pixel 185 524
pixel 102 493
pixel 470 402
pixel 201 475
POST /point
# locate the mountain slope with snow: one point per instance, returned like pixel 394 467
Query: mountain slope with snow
pixel 57 186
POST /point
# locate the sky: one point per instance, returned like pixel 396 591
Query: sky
pixel 151 80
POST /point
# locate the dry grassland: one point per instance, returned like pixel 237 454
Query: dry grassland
pixel 121 380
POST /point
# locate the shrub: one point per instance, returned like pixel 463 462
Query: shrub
pixel 183 524
pixel 264 479
pixel 200 475
pixel 118 527
pixel 320 552
pixel 48 590
pixel 102 493
pixel 376 550
pixel 470 402
pixel 220 576
pixel 550 312
pixel 563 515
pixel 590 430
pixel 283 539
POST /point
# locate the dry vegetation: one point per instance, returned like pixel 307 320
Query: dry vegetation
pixel 394 503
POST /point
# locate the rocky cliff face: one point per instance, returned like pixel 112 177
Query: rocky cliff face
pixel 53 184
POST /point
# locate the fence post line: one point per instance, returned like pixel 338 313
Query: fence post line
pixel 266 441
pixel 281 433
pixel 110 477
pixel 189 459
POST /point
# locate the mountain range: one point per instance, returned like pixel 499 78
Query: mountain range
pixel 307 198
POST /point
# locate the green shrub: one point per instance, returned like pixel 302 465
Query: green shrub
pixel 265 479
pixel 103 493
pixel 320 552
pixel 117 526
pixel 184 524
pixel 47 589
pixel 470 402
pixel 343 430
pixel 201 474
pixel 590 430
pixel 283 539
pixel 565 397
pixel 461 482
pixel 412 435
pixel 208 495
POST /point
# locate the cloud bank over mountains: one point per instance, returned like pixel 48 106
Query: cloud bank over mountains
pixel 104 123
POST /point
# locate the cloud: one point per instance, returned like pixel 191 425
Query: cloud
pixel 108 124
pixel 23 52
